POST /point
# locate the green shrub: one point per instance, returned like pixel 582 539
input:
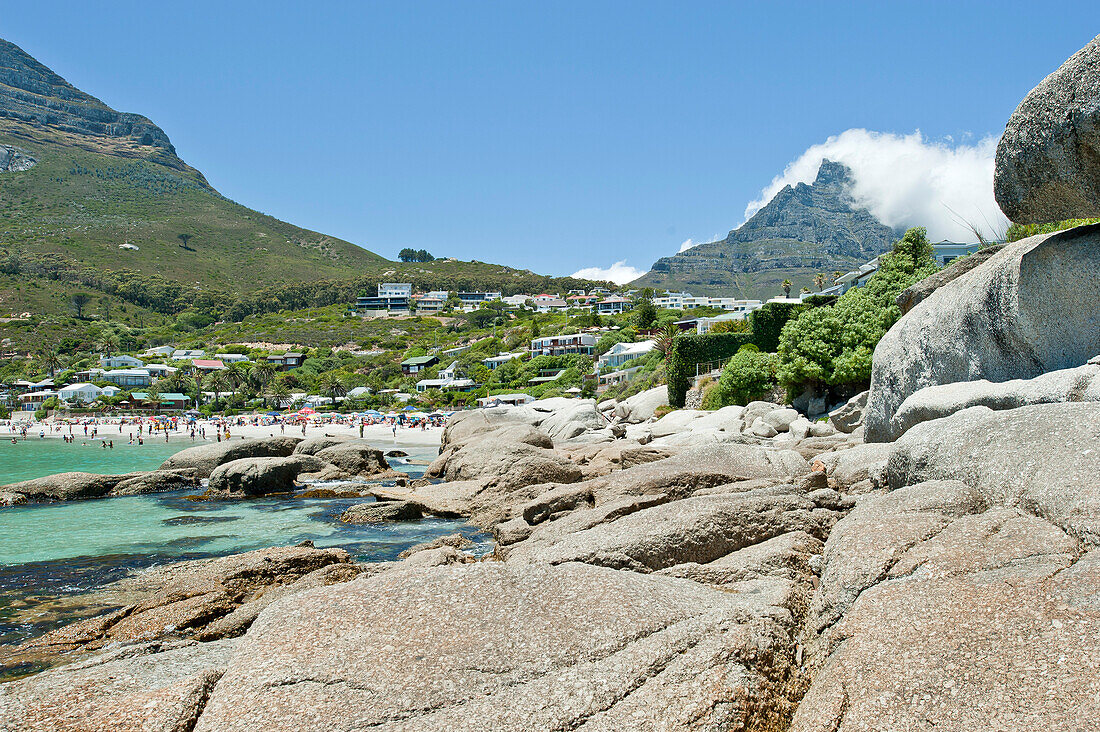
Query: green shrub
pixel 749 375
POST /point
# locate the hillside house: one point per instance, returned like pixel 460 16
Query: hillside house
pixel 620 353
pixel 416 364
pixel 287 361
pixel 120 362
pixel 561 345
pixel 85 393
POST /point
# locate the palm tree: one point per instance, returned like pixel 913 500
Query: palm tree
pixel 152 396
pixel 332 386
pixel 262 374
pixel 819 281
pixel 107 342
pixel 664 339
pixel 51 361
pixel 216 382
pixel 787 284
pixel 235 374
pixel 279 392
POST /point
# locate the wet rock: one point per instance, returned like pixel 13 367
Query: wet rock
pixel 356 459
pixel 65 486
pixel 458 541
pixel 382 512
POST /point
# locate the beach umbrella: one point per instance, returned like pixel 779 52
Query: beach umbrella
pixel 274 414
pixel 409 408
pixel 307 410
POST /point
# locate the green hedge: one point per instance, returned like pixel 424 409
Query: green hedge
pixel 769 320
pixel 689 350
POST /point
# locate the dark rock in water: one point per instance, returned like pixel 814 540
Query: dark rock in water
pixel 1012 317
pixel 1048 160
pixel 193 520
pixel 397 453
pixel 382 512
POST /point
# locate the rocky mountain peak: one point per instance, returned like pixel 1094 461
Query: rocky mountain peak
pixel 33 94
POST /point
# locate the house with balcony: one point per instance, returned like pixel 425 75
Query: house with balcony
pixel 613 305
pixel 431 302
pixel 620 353
pixel 560 345
pixel 128 378
pixel 32 401
pixel 474 300
pixel 393 297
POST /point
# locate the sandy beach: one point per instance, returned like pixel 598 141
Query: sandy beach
pixel 380 434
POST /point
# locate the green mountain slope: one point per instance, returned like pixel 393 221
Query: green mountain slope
pixel 804 230
pixel 96 199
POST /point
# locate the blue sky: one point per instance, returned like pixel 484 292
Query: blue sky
pixel 551 136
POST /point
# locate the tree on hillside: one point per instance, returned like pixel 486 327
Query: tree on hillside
pixel 51 361
pixel 645 315
pixel 107 342
pixel 105 303
pixel 80 301
pixel 184 238
pixel 819 281
pixel 332 386
pixel 415 255
pixel 787 284
pixel 216 382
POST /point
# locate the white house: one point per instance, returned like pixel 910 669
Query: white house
pixel 704 325
pixel 159 370
pixel 231 357
pixel 494 362
pixel 672 300
pixel 159 351
pixel 563 344
pixel 187 354
pixel 620 353
pixel 612 306
pixel 32 400
pixel 128 378
pixel 120 361
pixel 86 393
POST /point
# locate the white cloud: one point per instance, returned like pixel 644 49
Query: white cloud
pixel 688 244
pixel 906 180
pixel 620 273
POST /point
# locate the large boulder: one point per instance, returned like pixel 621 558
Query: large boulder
pixel 491 646
pixel 1048 160
pixel 934 402
pixel 1013 317
pixel 356 459
pixel 205 458
pixel 381 512
pixel 1043 458
pixel 65 486
pixel 260 476
pixel 507 465
pixel 642 406
pixel 913 295
pixel 698 530
pixel 157 481
pixel 849 417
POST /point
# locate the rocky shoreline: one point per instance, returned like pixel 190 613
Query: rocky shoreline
pixel 929 558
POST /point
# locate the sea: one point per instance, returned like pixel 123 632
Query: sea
pixel 52 553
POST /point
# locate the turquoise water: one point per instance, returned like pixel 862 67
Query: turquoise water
pixel 36 457
pixel 58 550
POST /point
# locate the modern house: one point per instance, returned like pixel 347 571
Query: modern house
pixel 416 364
pixel 494 362
pixel 672 300
pixel 128 378
pixel 287 361
pixel 228 358
pixel 159 351
pixel 449 379
pixel 550 304
pixel 704 325
pixel 86 393
pixel 620 353
pixel 159 370
pixel 392 297
pixel 121 361
pixel 563 344
pixel 431 302
pixel 471 300
pixel 613 305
